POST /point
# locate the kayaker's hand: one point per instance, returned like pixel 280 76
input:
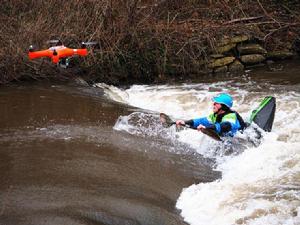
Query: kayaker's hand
pixel 200 127
pixel 180 123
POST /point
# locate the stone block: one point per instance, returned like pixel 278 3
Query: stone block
pixel 245 49
pixel 221 62
pixel 252 59
pixel 236 66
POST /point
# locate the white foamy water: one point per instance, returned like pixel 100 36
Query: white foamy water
pixel 260 185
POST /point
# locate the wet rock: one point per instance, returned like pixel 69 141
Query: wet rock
pixel 275 67
pixel 253 66
pixel 221 62
pixel 236 66
pixel 80 82
pixel 245 49
pixel 222 69
pixel 279 55
pixel 252 59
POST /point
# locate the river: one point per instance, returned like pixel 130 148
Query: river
pixel 98 155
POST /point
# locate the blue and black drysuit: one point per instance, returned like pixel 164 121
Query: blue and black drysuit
pixel 226 124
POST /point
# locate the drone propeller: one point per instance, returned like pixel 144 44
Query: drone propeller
pixel 88 43
pixel 55 42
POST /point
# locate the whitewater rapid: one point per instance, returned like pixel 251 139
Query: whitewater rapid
pixel 261 184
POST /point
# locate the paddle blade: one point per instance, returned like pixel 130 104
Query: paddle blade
pixel 166 120
pixel 211 133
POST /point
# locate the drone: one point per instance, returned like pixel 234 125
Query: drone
pixel 60 54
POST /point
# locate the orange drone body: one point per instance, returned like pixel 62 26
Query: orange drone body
pixel 57 52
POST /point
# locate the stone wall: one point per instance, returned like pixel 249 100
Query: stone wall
pixel 237 53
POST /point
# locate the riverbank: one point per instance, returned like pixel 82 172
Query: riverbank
pixel 147 41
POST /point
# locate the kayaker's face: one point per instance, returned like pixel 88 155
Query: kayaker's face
pixel 216 107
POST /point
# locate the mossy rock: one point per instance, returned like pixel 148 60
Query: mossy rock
pixel 240 38
pixel 280 55
pixel 245 49
pixel 227 44
pixel 221 62
pixel 217 56
pixel 222 69
pixel 225 48
pixel 236 66
pixel 252 59
pixel 233 40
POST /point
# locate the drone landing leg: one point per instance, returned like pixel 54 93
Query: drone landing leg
pixel 64 63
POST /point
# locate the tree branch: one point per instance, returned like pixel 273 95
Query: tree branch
pixel 243 19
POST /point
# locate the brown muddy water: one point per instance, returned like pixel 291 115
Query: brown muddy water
pixel 61 162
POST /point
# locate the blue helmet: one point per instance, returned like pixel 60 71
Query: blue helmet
pixel 223 98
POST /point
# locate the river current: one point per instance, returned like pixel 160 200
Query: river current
pixel 99 155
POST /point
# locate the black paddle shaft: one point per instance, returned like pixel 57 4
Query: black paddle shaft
pixel 168 122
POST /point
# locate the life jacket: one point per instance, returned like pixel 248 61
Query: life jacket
pixel 238 116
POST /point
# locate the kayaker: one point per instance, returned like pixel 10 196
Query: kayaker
pixel 223 120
